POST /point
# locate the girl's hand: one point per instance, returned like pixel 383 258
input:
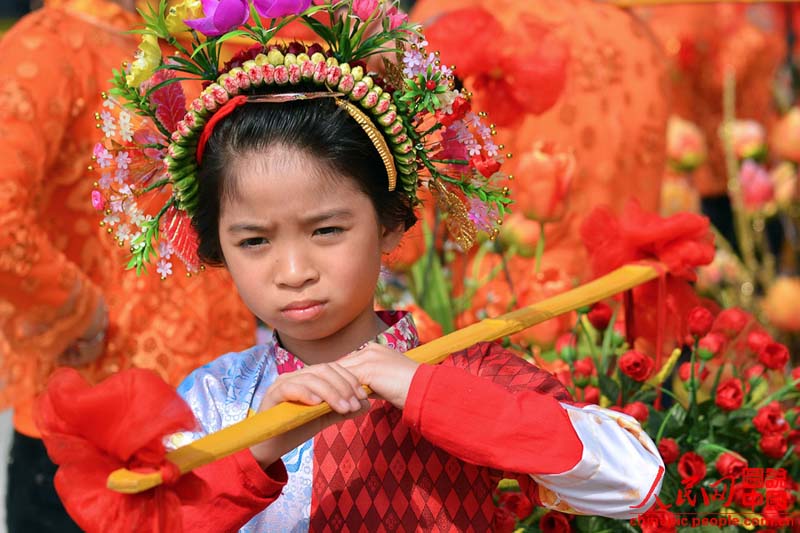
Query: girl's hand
pixel 387 372
pixel 327 382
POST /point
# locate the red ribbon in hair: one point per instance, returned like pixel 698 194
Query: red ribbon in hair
pixel 226 109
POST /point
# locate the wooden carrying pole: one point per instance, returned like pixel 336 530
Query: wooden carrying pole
pixel 287 416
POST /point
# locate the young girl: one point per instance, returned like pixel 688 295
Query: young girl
pixel 299 172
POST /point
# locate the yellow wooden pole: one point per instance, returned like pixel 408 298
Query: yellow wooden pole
pixel 287 416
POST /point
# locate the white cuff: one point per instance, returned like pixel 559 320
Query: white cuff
pixel 619 474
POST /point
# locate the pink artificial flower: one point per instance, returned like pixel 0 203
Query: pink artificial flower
pixel 757 187
pixel 396 18
pixel 97 201
pixel 363 9
pixel 280 8
pixel 221 16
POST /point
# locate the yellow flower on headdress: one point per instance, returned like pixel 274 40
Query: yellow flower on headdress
pixel 185 10
pixel 148 58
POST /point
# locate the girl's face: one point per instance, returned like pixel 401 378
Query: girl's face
pixel 303 246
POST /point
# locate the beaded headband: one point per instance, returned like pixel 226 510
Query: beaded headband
pixel 424 131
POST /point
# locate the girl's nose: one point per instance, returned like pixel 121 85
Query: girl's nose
pixel 294 269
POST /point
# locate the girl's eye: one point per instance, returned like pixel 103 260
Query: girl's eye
pixel 332 230
pixel 252 242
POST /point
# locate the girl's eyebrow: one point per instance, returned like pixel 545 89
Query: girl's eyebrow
pixel 248 227
pixel 316 218
pixel 327 215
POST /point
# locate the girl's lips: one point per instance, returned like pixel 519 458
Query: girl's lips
pixel 303 312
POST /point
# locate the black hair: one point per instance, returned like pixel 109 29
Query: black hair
pixel 316 126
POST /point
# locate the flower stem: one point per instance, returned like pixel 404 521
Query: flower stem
pixel 692 382
pixel 539 249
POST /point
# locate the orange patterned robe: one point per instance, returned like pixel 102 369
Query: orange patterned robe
pixel 55 260
pixel 612 109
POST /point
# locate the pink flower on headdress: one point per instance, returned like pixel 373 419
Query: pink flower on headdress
pixel 280 8
pixel 396 18
pixel 97 201
pixel 364 8
pixel 221 16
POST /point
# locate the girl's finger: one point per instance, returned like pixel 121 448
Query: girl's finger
pixel 332 388
pixel 358 390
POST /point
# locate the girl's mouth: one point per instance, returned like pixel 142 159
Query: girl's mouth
pixel 303 310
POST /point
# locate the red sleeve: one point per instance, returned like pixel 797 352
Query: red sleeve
pixel 491 408
pixel 237 490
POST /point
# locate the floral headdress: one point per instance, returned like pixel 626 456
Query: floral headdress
pixel 422 127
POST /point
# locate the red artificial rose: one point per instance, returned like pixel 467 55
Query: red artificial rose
pixel 700 321
pixel 485 165
pixel 710 345
pixel 796 376
pixel 582 371
pixel 731 464
pixel 600 315
pixel 769 419
pixel 657 520
pixel 517 503
pixel 729 395
pixel 636 365
pixel 554 522
pixel 757 339
pixel 774 445
pixel 637 410
pixel 753 372
pixel 774 355
pixel 731 322
pixel 685 372
pixel 692 469
pixel 591 394
pixel 669 450
pixel 504 520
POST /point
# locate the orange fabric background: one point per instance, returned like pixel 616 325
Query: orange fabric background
pixel 55 260
pixel 701 42
pixel 612 111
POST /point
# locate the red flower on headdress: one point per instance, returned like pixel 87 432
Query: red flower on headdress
pixel 485 165
pixel 512 73
pixel 120 423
